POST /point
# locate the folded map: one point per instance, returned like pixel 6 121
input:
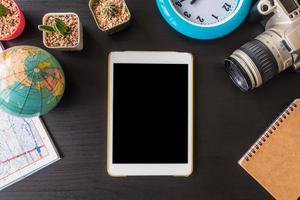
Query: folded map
pixel 25 147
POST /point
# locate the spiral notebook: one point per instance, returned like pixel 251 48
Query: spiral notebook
pixel 274 160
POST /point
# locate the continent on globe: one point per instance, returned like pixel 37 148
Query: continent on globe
pixel 32 81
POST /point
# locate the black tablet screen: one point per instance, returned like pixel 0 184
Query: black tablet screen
pixel 150 113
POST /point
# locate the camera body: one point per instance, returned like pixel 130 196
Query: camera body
pixel 273 51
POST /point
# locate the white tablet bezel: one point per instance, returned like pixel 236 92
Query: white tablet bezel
pixel 149 169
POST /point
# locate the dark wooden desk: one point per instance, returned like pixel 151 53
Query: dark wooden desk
pixel 227 120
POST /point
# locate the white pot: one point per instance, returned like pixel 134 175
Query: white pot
pixel 114 29
pixel 79 46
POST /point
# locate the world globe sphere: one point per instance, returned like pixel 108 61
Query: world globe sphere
pixel 32 81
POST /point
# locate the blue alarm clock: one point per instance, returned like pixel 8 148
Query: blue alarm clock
pixel 204 19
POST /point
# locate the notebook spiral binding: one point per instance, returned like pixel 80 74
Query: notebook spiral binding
pixel 271 130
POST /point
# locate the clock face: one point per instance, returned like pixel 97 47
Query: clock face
pixel 205 12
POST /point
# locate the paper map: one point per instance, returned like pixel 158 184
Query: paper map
pixel 25 147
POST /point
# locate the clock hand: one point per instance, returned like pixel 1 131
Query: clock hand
pixel 193 1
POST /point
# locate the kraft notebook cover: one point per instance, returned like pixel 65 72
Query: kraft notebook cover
pixel 274 160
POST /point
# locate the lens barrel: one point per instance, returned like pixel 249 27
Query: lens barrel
pixel 263 59
pixel 251 65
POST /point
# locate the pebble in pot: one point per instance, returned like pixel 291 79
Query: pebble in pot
pixel 62 31
pixel 110 16
pixel 12 20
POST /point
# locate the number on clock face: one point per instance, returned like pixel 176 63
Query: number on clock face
pixel 205 12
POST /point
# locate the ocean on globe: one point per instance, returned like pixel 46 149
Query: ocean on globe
pixel 32 81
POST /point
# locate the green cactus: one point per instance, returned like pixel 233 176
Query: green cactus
pixel 109 9
pixel 45 28
pixel 58 26
pixel 3 10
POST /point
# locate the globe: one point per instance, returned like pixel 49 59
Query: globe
pixel 32 81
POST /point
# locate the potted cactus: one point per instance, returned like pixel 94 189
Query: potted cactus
pixel 12 20
pixel 110 15
pixel 62 31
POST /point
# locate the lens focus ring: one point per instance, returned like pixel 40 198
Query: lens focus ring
pixel 263 59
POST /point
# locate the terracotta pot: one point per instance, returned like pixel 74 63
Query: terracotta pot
pixel 20 27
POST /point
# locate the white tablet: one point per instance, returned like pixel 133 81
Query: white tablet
pixel 150 114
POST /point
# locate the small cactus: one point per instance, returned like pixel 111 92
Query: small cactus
pixel 45 28
pixel 110 9
pixel 3 10
pixel 58 25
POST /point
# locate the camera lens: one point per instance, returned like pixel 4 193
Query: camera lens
pixel 252 65
pixel 237 75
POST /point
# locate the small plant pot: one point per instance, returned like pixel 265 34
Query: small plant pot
pixel 117 26
pixel 19 27
pixel 63 43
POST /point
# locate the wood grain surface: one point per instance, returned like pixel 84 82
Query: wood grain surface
pixel 227 121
